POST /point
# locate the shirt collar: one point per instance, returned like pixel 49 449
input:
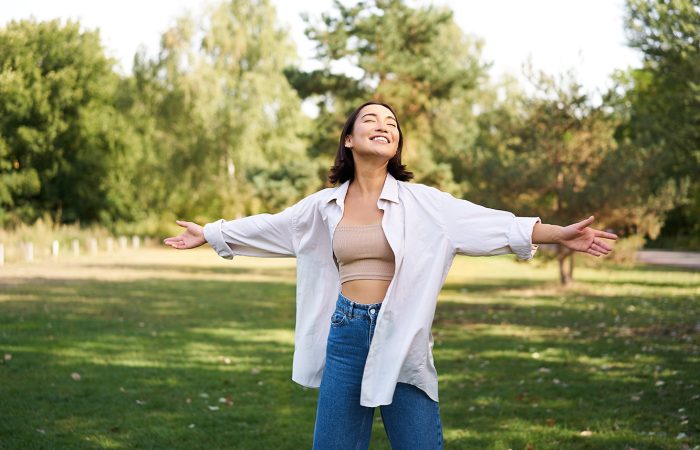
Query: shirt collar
pixel 390 191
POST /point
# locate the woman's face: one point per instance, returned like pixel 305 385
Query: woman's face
pixel 375 133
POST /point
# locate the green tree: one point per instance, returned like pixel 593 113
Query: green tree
pixel 61 137
pixel 226 126
pixel 664 100
pixel 554 154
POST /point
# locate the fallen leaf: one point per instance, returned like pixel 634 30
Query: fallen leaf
pixel 8 356
pixel 75 376
pixel 140 402
pixel 213 408
pixel 586 433
pixel 229 400
pixel 255 370
pixel 550 422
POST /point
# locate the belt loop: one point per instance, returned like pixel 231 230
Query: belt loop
pixel 352 309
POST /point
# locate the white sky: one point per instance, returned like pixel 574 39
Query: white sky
pixel 586 35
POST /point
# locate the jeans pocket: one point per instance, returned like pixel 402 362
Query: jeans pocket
pixel 338 319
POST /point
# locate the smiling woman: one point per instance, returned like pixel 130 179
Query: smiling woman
pixel 373 122
pixel 372 256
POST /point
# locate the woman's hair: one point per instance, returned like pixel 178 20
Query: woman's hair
pixel 344 167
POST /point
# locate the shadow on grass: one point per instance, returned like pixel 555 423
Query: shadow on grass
pixel 205 270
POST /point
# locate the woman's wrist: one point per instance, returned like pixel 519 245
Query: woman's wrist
pixel 544 233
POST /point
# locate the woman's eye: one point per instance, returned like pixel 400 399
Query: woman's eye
pixel 392 125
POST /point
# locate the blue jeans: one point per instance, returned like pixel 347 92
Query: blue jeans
pixel 411 421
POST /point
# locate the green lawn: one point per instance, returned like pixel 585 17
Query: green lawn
pixel 182 350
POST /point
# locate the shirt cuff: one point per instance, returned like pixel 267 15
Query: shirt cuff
pixel 520 237
pixel 214 236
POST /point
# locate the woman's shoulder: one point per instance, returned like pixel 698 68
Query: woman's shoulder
pixel 420 190
pixel 312 201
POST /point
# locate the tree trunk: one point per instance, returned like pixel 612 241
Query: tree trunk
pixel 562 254
pixel 571 266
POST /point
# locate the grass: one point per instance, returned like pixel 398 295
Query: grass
pixel 182 350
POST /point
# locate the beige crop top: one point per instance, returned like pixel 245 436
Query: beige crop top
pixel 363 253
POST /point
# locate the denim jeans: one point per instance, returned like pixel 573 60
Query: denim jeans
pixel 411 421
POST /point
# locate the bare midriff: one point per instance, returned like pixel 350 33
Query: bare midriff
pixel 363 212
pixel 365 291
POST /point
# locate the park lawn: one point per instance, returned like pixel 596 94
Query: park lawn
pixel 157 348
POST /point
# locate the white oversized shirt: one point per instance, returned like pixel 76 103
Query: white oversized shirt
pixel 425 228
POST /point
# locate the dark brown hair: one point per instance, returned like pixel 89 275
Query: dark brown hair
pixel 344 167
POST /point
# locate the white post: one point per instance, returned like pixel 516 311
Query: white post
pixel 122 242
pixel 54 249
pixel 135 241
pixel 92 245
pixel 2 254
pixel 76 247
pixel 29 248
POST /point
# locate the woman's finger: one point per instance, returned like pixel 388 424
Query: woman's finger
pixel 605 235
pixel 602 245
pixel 599 249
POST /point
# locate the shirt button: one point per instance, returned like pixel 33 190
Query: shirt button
pixel 371 311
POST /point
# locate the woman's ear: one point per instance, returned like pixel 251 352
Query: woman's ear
pixel 348 141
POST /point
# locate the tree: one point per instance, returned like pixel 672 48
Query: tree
pixel 554 154
pixel 226 125
pixel 664 100
pixel 60 134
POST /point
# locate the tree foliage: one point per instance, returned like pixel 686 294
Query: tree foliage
pixel 662 102
pixel 61 136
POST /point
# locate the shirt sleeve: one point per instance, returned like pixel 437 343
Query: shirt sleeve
pixel 263 235
pixel 476 230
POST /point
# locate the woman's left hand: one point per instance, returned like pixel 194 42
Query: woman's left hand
pixel 580 237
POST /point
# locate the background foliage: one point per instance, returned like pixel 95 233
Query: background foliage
pixel 213 125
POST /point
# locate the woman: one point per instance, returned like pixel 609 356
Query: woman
pixel 372 255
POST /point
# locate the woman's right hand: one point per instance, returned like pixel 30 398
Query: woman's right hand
pixel 192 237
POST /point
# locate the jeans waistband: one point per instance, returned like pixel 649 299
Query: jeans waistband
pixel 353 308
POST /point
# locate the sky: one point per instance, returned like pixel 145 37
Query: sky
pixel 558 35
